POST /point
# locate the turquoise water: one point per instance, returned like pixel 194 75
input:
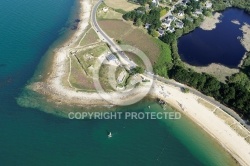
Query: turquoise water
pixel 31 137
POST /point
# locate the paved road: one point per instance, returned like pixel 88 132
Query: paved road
pixel 125 59
pixel 113 46
pixel 170 11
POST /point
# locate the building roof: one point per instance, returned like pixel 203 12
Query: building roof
pixel 111 57
pixel 179 24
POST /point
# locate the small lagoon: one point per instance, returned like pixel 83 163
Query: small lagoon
pixel 221 45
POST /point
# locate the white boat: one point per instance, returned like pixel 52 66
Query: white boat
pixel 110 135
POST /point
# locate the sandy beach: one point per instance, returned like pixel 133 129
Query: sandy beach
pixel 210 22
pixel 187 103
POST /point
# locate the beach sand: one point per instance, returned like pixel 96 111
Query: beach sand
pixel 210 22
pixel 187 103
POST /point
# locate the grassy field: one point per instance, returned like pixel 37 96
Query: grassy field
pixel 78 77
pixel 88 57
pixel 124 32
pixel 110 14
pixel 121 4
pixel 91 37
pixel 80 73
pixel 135 59
pixel 218 71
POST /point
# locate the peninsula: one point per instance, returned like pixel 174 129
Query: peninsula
pixel 97 68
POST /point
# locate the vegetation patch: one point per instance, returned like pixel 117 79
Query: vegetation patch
pixel 89 38
pixel 78 78
pixel 164 61
pixel 121 4
pixel 206 104
pixel 126 34
pixel 105 12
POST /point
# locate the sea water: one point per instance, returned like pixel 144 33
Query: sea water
pixel 31 137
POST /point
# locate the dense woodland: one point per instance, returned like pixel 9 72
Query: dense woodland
pixel 223 4
pixel 235 93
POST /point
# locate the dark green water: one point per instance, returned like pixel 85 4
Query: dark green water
pixel 29 137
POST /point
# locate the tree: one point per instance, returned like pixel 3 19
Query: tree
pixel 138 22
pixel 154 33
pixel 240 78
pixel 137 69
pixel 168 38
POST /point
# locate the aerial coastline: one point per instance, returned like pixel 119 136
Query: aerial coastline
pixel 187 103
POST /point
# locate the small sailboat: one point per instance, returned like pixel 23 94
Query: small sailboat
pixel 110 135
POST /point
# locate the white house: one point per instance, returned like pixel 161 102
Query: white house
pixel 166 23
pixel 147 25
pixel 105 9
pixel 112 59
pixel 179 24
pixel 161 32
pixel 208 5
pixel 180 13
pixel 171 18
pixel 155 2
pixel 121 77
pixel 171 29
pixel 198 11
pixel 185 1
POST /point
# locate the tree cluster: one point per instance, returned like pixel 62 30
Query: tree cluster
pixel 234 95
pixel 139 17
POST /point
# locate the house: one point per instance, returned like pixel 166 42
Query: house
pixel 185 1
pixel 195 15
pixel 171 18
pixel 161 32
pixel 121 77
pixel 140 12
pixel 155 3
pixel 147 25
pixel 190 19
pixel 105 9
pixel 208 5
pixel 111 58
pixel 180 13
pixel 198 11
pixel 179 24
pixel 166 23
pixel 171 29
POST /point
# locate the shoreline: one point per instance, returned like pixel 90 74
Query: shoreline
pixel 186 103
pixel 209 23
pixel 245 40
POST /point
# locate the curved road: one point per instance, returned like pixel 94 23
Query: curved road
pixel 113 46
pixel 125 60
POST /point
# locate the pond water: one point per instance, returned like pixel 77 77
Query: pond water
pixel 220 45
